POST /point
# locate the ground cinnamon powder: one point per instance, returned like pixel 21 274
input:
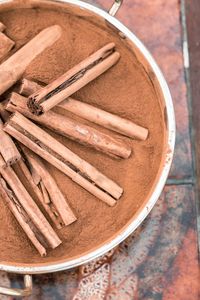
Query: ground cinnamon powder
pixel 125 90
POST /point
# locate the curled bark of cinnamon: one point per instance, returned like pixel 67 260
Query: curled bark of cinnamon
pixel 21 216
pixel 26 211
pixel 8 150
pixel 104 118
pixel 28 87
pixel 35 174
pixel 73 80
pixel 13 68
pixel 38 189
pixel 62 158
pixel 72 129
pixel 52 198
pixel 92 113
pixel 4 114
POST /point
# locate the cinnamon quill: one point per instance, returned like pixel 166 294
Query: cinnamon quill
pixel 26 211
pixel 21 216
pixel 92 113
pixel 72 129
pixel 62 158
pixel 51 196
pixel 12 69
pixel 35 173
pixel 73 80
pixel 8 149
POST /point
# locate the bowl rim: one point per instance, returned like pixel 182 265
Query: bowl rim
pixel 157 190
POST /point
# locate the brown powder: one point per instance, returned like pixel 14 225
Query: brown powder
pixel 125 90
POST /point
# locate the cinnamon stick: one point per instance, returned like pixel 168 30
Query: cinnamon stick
pixel 72 129
pixel 2 27
pixel 62 158
pixel 39 192
pixel 21 216
pixel 22 165
pixel 53 199
pixel 28 210
pixel 46 198
pixel 8 150
pixel 28 87
pixel 92 113
pixel 4 114
pixel 104 118
pixel 73 80
pixel 38 187
pixel 6 44
pixel 13 68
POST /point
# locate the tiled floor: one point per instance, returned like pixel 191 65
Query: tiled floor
pixel 192 19
pixel 161 33
pixel 160 260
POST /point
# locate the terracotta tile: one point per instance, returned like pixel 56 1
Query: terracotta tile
pixel 180 286
pixel 153 253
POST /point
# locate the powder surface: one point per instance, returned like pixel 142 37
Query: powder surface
pixel 125 90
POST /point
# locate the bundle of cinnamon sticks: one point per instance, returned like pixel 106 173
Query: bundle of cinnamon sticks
pixel 25 143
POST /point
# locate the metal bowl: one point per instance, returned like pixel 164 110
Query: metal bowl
pixel 162 90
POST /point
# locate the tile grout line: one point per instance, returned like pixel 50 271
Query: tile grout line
pixel 186 57
pixel 175 181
